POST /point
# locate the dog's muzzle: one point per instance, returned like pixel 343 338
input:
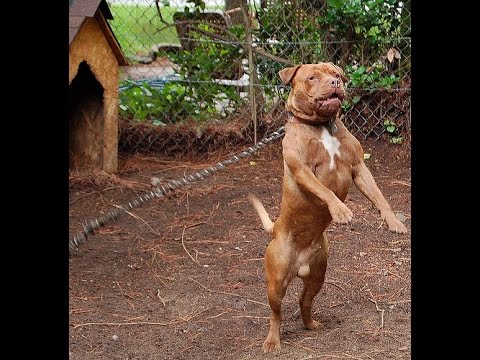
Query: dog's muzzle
pixel 328 106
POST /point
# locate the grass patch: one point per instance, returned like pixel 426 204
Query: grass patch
pixel 138 28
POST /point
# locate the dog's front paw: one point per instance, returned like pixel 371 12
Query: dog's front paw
pixel 395 225
pixel 340 213
pixel 270 345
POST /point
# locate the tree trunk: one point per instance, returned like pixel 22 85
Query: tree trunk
pixel 235 13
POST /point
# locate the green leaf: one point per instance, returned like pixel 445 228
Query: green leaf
pixel 366 156
pixel 337 4
pixel 346 105
pixel 391 128
pixel 396 140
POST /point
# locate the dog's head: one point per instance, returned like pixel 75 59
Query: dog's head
pixel 317 90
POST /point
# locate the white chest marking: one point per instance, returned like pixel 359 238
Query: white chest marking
pixel 331 144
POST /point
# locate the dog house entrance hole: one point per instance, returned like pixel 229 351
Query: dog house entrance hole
pixel 85 120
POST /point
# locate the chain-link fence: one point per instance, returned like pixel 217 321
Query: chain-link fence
pixel 204 74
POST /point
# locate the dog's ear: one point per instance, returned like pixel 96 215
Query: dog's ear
pixel 340 71
pixel 287 74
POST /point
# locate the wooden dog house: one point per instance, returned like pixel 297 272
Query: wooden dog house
pixel 95 56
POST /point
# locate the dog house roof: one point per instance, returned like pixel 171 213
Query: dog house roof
pixel 81 9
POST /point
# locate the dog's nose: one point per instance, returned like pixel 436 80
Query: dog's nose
pixel 335 83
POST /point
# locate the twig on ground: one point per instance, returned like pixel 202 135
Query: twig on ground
pixel 331 331
pixel 258 341
pixel 393 295
pixel 127 323
pixel 80 311
pixel 399 182
pixel 158 295
pixel 395 274
pixel 138 218
pixel 323 356
pixel 100 178
pixel 172 322
pixel 196 224
pixel 398 302
pixel 183 244
pixel 215 316
pixel 253 259
pixel 299 345
pixel 250 317
pixel 227 293
pixel 332 283
pixel 351 356
pixel 209 241
pixel 335 305
pixel 364 273
pixel 381 224
pixel 82 196
pixel 387 249
pixel 401 241
pixel 381 311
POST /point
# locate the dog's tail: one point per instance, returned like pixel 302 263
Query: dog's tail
pixel 257 204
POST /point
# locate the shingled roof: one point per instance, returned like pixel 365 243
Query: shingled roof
pixel 81 9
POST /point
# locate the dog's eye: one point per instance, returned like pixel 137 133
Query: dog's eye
pixel 337 76
pixel 311 78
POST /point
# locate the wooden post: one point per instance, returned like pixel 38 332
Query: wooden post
pixel 252 78
pixel 233 8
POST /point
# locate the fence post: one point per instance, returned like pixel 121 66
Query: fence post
pixel 252 72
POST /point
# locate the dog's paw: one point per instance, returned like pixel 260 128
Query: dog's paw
pixel 341 213
pixel 395 225
pixel 270 345
pixel 313 325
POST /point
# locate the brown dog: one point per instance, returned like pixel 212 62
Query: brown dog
pixel 321 158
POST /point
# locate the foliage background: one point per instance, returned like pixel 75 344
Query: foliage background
pixel 226 77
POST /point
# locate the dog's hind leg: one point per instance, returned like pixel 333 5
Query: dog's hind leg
pixel 312 283
pixel 276 292
pixel 278 278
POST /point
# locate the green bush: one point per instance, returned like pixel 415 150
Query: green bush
pixel 200 66
pixel 345 32
pixel 356 34
pixel 142 102
pixel 370 78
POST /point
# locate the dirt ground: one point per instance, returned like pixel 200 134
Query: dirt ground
pixel 182 277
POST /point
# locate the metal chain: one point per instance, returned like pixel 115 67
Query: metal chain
pixel 92 225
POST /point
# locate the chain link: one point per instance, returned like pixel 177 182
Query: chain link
pixel 92 225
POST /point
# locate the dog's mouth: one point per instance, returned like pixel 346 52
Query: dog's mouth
pixel 329 104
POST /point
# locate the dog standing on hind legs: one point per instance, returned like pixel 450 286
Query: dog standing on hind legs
pixel 321 159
